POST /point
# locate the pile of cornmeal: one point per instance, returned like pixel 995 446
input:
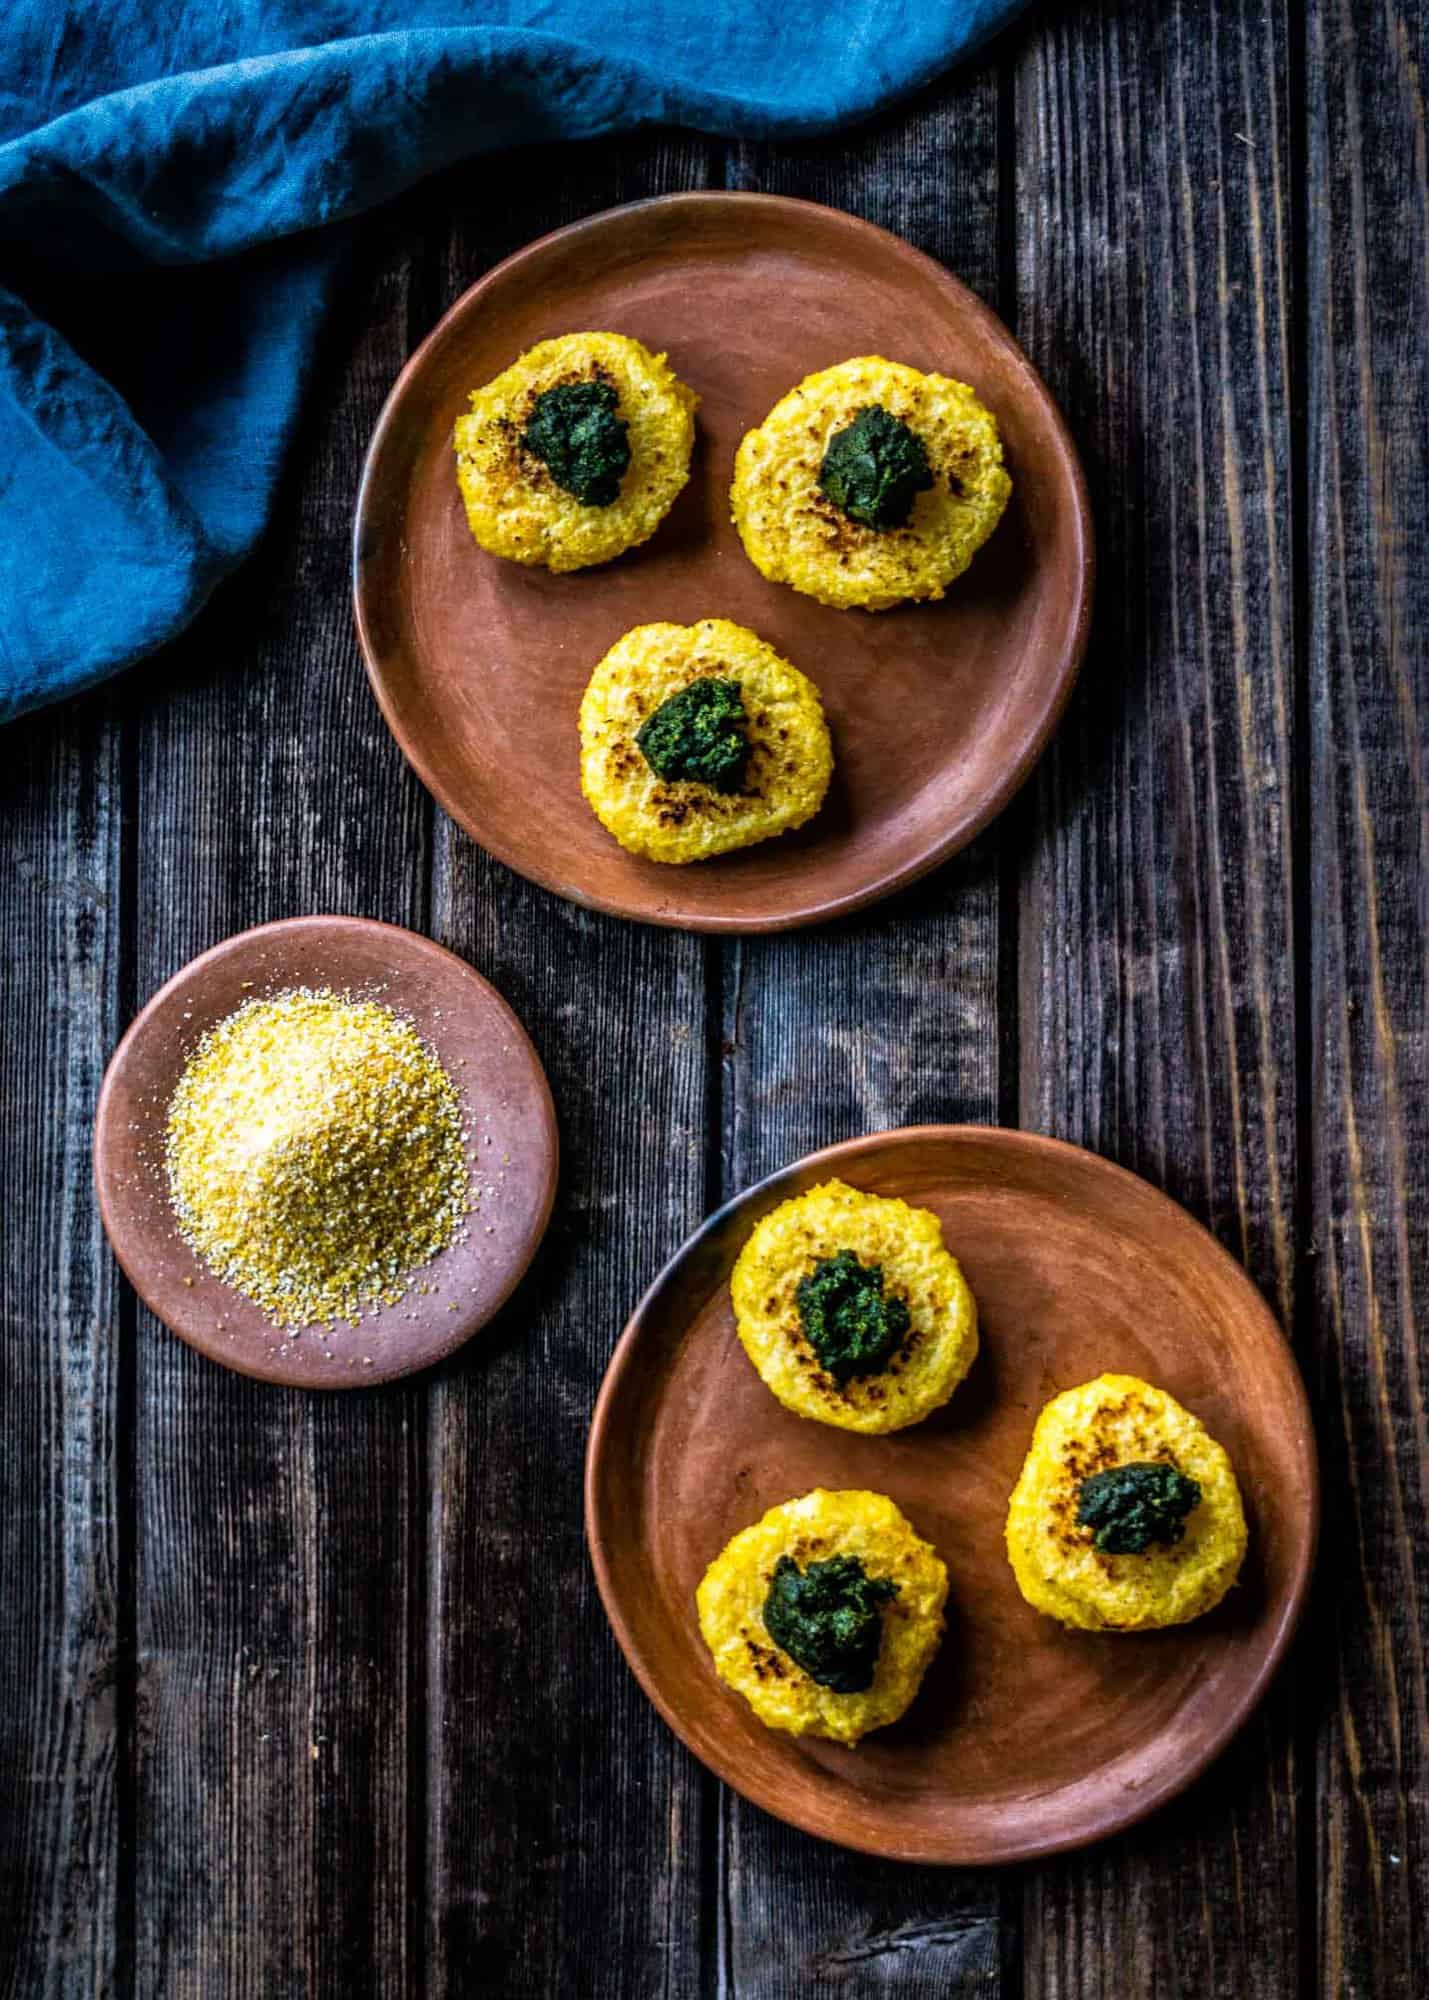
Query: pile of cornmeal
pixel 317 1155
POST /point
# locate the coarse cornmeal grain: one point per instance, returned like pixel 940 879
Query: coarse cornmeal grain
pixel 790 762
pixel 788 1243
pixel 1121 1420
pixel 316 1155
pixel 793 533
pixel 730 1602
pixel 514 506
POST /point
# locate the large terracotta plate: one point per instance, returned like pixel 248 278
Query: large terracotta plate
pixel 504 1094
pixel 938 712
pixel 1025 1739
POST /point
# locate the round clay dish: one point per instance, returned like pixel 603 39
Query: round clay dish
pixel 937 711
pixel 1025 1738
pixel 509 1114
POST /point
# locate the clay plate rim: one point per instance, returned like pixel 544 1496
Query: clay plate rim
pixel 1061 676
pixel 130 1242
pixel 626 1358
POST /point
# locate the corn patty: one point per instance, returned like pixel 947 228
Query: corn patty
pixel 907 1243
pixel 793 533
pixel 677 819
pixel 513 504
pixel 1120 1420
pixel 731 1600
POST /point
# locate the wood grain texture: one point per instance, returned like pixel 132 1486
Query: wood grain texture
pixel 306 1697
pixel 61 1631
pixel 1367 300
pixel 1153 228
pixel 878 1022
pixel 565 1839
pixel 278 1566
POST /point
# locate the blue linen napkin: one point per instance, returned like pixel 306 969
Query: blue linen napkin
pixel 174 176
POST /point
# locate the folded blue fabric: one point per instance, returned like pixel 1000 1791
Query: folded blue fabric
pixel 174 177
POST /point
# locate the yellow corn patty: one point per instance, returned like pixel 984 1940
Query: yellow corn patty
pixel 790 762
pixel 513 505
pixel 907 1243
pixel 1121 1420
pixel 731 1598
pixel 794 534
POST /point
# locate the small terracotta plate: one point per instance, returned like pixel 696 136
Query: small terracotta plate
pixel 938 711
pixel 509 1113
pixel 1024 1739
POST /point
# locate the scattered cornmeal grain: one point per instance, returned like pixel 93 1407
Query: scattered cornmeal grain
pixel 316 1155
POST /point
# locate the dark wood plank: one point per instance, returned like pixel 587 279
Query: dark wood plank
pixel 338 1782
pixel 60 923
pixel 887 1020
pixel 1368 1132
pixel 1158 1000
pixel 280 1576
pixel 565 1820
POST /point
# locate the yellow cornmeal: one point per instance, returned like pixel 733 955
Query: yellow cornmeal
pixel 794 534
pixel 730 1603
pixel 1121 1420
pixel 316 1155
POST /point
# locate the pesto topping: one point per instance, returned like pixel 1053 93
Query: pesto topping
pixel 699 734
pixel 579 436
pixel 1132 1506
pixel 828 1619
pixel 849 1320
pixel 875 468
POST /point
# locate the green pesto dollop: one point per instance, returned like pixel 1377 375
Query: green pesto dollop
pixel 849 1320
pixel 829 1619
pixel 875 468
pixel 1132 1506
pixel 578 434
pixel 699 735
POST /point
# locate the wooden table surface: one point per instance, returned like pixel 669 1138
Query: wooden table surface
pixel 310 1695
